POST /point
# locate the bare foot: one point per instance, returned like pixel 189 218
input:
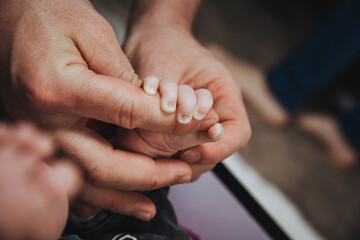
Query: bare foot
pixel 328 132
pixel 255 89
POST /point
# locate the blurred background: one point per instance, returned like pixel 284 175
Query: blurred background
pixel 297 63
pixel 297 155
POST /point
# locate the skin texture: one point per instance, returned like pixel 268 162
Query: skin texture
pixel 183 98
pixel 164 145
pixel 156 144
pixel 167 24
pixel 61 65
pixel 34 191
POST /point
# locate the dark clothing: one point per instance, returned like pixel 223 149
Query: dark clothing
pixel 112 226
pixel 315 66
pixel 350 124
pixel 329 50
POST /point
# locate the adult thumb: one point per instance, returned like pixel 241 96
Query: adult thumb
pixel 122 103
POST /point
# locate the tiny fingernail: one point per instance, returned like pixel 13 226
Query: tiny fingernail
pixel 151 90
pixel 219 130
pixel 151 85
pixel 183 179
pixel 199 115
pixel 143 215
pixel 184 118
pixel 169 106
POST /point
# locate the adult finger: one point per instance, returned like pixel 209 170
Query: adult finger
pixel 109 100
pixel 123 202
pixel 75 90
pixel 167 144
pixel 199 169
pixel 120 169
pixel 83 209
pixel 203 104
pixel 234 138
pixel 210 154
pixel 236 126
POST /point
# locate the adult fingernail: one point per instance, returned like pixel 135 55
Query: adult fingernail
pixel 184 118
pixel 143 215
pixel 191 156
pixel 183 179
pixel 199 115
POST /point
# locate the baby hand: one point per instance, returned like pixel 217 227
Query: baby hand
pixel 188 103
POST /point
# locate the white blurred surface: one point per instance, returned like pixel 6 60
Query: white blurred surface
pixel 275 203
pixel 209 209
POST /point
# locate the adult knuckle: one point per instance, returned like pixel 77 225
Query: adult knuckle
pixel 105 30
pixel 154 182
pixel 148 182
pixel 150 179
pixel 128 74
pixel 111 206
pixel 224 73
pixel 128 115
pixel 98 175
pixel 39 100
pixel 36 89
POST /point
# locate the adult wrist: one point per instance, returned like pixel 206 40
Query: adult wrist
pixel 152 33
pixel 155 15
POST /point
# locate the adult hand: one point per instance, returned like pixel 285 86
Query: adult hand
pixel 61 64
pixel 160 43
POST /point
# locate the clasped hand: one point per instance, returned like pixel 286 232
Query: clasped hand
pixel 61 65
